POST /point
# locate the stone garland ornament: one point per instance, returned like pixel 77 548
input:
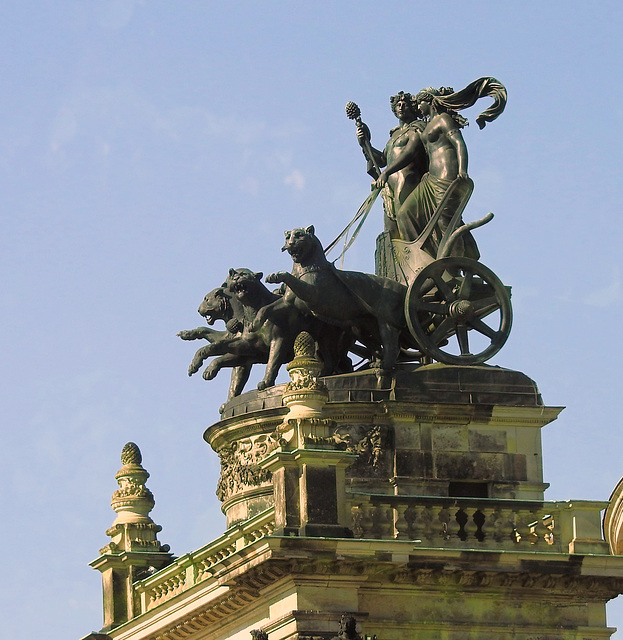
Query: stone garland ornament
pixel 240 468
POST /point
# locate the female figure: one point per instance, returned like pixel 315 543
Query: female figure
pixel 404 157
pixel 446 183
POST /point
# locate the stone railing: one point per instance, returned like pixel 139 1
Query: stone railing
pixel 482 523
pixel 438 522
pixel 193 568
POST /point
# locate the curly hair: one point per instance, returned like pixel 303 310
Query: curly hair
pixel 409 98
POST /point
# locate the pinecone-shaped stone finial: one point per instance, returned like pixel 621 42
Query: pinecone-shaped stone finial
pixel 306 394
pixel 133 529
pixel 304 345
pixel 131 454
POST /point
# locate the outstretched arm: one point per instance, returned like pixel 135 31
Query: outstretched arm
pixel 202 333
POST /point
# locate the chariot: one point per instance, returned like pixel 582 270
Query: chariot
pixel 456 309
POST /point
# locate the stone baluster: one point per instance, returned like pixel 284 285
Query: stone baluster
pixel 389 522
pixel 446 519
pixel 383 522
pixel 362 517
pixel 421 527
pixel 431 523
pixel 401 526
pixel 503 526
pixel 462 520
pixel 492 521
pixel 375 524
pixel 479 518
pixel 523 526
pixel 410 514
pixel 367 522
pixel 470 527
pixel 539 531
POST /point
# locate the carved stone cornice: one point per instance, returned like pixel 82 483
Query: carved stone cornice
pixel 246 586
pixel 224 432
pixel 586 588
pixel 244 591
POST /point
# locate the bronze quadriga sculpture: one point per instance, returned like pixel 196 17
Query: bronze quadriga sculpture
pixel 430 298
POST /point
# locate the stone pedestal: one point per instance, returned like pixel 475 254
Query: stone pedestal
pixel 435 431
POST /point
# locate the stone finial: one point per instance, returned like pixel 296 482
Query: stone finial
pixel 131 454
pixel 134 551
pixel 306 394
pixel 133 529
pixel 304 346
pixel 133 500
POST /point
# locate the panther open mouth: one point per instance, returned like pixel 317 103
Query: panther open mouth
pixel 239 288
pixel 215 306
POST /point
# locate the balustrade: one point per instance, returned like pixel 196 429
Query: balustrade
pixel 464 522
pixel 193 568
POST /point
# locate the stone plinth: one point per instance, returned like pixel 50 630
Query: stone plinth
pixel 436 431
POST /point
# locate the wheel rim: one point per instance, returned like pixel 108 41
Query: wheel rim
pixel 448 302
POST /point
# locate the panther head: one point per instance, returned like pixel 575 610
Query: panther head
pixel 216 306
pixel 300 242
pixel 244 282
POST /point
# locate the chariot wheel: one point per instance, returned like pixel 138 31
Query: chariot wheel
pixel 452 297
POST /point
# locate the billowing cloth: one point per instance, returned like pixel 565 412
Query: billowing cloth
pixel 478 89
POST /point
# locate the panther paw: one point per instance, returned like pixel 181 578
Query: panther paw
pixel 274 278
pixel 210 373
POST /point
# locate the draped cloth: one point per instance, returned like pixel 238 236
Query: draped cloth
pixel 419 207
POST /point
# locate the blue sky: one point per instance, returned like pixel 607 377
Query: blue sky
pixel 148 146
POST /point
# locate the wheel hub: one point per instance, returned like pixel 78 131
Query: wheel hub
pixel 461 310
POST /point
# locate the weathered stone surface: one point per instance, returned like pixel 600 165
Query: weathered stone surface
pixel 480 386
pixel 422 519
pixel 303 586
pixel 421 435
pixel 487 440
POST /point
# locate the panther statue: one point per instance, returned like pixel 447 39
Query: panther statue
pixel 238 302
pixel 371 306
pixel 220 304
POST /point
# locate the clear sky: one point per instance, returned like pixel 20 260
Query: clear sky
pixel 146 146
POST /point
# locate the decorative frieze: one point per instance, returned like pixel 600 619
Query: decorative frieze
pixel 371 443
pixel 240 468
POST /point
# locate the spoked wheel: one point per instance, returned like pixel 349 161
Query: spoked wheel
pixel 452 297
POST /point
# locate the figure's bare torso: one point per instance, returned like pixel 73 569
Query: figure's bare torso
pixel 442 155
pixel 404 181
